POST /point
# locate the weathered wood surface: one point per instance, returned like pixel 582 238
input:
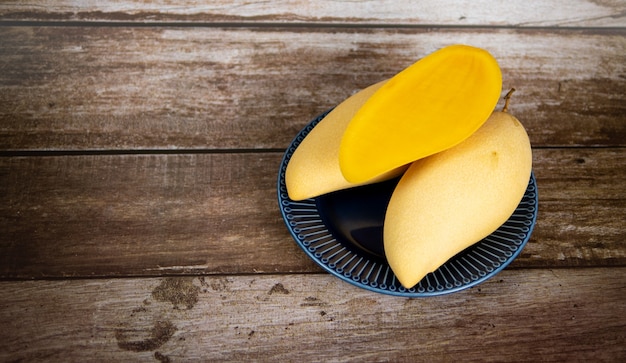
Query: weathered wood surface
pixel 563 13
pixel 139 148
pixel 112 88
pixel 105 215
pixel 529 315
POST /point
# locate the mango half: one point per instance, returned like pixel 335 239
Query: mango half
pixel 430 106
pixel 446 202
pixel 373 135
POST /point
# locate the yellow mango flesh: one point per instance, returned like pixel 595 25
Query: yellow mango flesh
pixel 313 169
pixel 448 201
pixel 430 106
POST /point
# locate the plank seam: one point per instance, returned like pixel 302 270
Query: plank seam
pixel 287 25
pixel 36 153
pixel 253 274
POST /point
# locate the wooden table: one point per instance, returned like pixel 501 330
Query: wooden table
pixel 139 149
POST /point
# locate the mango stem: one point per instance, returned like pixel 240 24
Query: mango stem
pixel 507 98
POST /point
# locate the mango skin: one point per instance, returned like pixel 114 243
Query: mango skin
pixel 314 169
pixel 428 107
pixel 446 202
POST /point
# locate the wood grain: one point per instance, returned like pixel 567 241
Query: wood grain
pixel 124 215
pixel 521 315
pixel 118 88
pixel 404 12
pixel 139 148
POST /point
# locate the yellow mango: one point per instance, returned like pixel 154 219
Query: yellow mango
pixel 428 107
pixel 313 169
pixel 446 202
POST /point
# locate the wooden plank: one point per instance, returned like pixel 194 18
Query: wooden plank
pixel 165 213
pixel 106 215
pixel 480 13
pixel 523 315
pixel 104 88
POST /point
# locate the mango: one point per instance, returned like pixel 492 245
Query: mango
pixel 446 202
pixel 313 169
pixel 428 107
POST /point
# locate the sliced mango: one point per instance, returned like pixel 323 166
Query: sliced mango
pixel 446 202
pixel 430 106
pixel 313 169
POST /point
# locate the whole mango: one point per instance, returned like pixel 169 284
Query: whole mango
pixel 446 202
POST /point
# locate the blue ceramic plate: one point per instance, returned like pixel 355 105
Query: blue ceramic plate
pixel 342 232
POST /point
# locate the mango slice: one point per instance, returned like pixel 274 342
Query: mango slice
pixel 430 106
pixel 313 169
pixel 448 201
